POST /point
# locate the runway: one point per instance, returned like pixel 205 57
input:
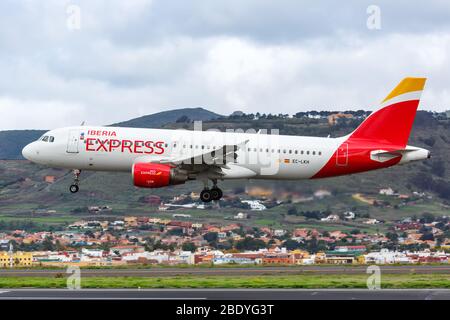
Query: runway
pixel 231 271
pixel 224 294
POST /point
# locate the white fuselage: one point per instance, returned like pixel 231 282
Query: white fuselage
pixel 259 155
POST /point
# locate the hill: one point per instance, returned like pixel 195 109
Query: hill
pixel 13 141
pixel 160 119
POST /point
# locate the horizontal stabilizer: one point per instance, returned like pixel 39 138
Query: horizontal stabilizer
pixel 383 155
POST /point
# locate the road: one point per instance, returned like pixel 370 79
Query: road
pixel 224 294
pixel 169 272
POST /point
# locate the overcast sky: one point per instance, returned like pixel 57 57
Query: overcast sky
pixel 62 62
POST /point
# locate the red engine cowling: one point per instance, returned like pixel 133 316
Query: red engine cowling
pixel 155 175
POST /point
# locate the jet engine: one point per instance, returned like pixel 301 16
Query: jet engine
pixel 155 175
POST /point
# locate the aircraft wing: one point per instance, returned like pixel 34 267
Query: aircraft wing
pixel 218 157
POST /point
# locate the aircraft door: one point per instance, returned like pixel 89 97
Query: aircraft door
pixel 342 155
pixel 72 143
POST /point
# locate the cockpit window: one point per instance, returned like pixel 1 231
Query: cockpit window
pixel 51 139
pixel 45 138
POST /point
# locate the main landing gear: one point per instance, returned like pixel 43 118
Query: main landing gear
pixel 76 180
pixel 208 195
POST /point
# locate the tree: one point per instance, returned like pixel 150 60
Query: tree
pixel 175 232
pixel 250 244
pixel 427 236
pixel 292 211
pixel 89 234
pixel 427 217
pixel 210 236
pixel 189 246
pixel 392 236
pixel 48 245
pixel 105 246
pixel 291 244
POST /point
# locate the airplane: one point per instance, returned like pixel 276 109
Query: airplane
pixel 159 158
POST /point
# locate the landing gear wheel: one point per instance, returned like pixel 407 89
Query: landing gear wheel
pixel 76 180
pixel 74 188
pixel 216 193
pixel 206 195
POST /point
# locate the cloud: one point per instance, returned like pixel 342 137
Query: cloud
pixel 135 58
pixel 49 113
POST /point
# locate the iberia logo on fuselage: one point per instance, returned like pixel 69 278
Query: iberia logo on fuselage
pixel 107 141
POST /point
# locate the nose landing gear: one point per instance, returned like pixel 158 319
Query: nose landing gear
pixel 76 180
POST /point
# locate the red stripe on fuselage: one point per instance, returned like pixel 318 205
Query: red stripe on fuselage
pixel 357 159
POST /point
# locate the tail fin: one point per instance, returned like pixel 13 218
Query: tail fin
pixel 393 120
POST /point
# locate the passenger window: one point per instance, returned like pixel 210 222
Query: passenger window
pixel 302 152
pixel 320 153
pixel 296 151
pixel 307 152
pixel 314 153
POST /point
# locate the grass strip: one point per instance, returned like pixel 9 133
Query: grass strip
pixel 418 281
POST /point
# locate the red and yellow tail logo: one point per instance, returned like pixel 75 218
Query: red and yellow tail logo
pixel 383 131
pixel 393 120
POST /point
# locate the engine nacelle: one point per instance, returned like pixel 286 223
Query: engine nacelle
pixel 155 175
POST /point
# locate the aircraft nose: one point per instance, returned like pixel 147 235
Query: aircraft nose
pixel 28 152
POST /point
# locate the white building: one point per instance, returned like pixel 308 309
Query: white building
pixel 349 215
pixel 387 192
pixel 241 216
pixel 372 221
pixel 92 252
pixel 255 205
pixel 279 232
pixel 321 193
pixel 331 218
pixel 384 256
